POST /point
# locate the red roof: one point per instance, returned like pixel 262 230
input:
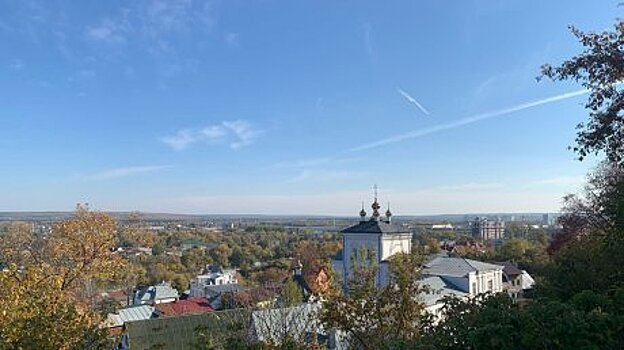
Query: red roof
pixel 118 294
pixel 183 307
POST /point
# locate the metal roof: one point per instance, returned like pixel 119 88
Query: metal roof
pixel 438 289
pixel 180 333
pixel 131 313
pixel 270 324
pixel 158 292
pixel 376 226
pixel 458 267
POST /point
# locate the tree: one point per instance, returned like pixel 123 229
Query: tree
pixel 157 249
pixel 600 69
pixel 588 321
pixel 309 256
pixel 515 230
pixel 291 293
pixel 237 257
pixel 515 249
pixel 38 314
pixel 378 318
pixel 221 254
pixel 485 322
pixel 43 299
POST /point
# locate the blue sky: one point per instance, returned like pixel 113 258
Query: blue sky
pixel 289 107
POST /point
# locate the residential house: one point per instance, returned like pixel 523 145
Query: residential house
pixel 160 293
pixel 116 320
pixel 183 307
pixel 463 278
pixel 213 283
pixel 218 294
pixel 211 276
pixel 515 280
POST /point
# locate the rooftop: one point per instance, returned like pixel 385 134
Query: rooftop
pixel 132 313
pixel 158 292
pixel 458 267
pixel 189 306
pixel 438 289
pixel 376 226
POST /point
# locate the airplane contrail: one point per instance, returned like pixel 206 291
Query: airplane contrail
pixel 412 100
pixel 465 121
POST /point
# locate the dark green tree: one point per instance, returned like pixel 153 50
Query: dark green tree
pixel 600 69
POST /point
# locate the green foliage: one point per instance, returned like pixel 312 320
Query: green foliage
pixel 590 321
pixel 291 293
pixel 599 68
pixel 378 318
pixel 158 249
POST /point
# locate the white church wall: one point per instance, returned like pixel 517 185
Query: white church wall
pixel 394 244
pixel 353 243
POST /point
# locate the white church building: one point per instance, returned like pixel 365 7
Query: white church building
pixel 442 275
pixel 377 235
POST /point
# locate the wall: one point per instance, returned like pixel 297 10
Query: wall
pixel 393 244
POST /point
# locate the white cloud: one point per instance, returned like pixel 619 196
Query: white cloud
pixel 244 133
pixel 214 132
pixel 125 172
pixel 466 121
pixel 109 31
pixel 412 100
pixel 236 133
pixel 486 85
pixel 162 21
pixel 180 140
pixel 154 24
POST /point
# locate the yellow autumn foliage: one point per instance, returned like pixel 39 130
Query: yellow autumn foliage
pixel 44 301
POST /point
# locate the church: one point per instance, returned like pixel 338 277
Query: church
pixel 376 234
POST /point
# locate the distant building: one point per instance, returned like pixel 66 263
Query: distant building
pixel 549 219
pixel 213 283
pixel 515 281
pixel 442 227
pixel 160 293
pixel 376 237
pixel 459 277
pixel 191 306
pixel 486 230
pixel 116 320
pixel 212 275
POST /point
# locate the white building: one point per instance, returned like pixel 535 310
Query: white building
pixel 160 293
pixel 211 276
pixel 376 236
pixel 463 278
